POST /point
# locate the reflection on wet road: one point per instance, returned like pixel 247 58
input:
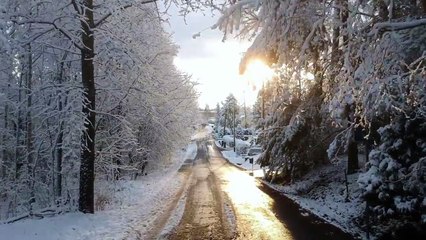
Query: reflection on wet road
pixel 252 207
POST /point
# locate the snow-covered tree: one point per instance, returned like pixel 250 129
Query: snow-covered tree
pixel 366 59
pixel 229 114
pixel 62 65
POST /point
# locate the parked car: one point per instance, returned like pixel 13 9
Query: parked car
pixel 252 152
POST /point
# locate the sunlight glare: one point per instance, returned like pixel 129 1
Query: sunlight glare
pixel 257 72
pixel 244 195
pixel 249 201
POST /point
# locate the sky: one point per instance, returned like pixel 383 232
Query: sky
pixel 212 63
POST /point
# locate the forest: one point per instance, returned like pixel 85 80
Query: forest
pixel 89 94
pixel 350 79
pixel 82 101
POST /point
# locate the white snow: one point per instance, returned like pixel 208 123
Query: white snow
pixel 240 162
pixel 240 145
pixel 237 159
pixel 404 206
pixel 174 218
pixel 396 25
pixel 323 193
pixel 130 215
pixel 203 134
pixel 191 151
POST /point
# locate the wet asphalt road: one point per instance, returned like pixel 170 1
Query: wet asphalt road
pixel 224 202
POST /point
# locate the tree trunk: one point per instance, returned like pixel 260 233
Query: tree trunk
pixel 245 114
pixel 6 164
pixel 5 157
pixel 336 33
pixel 352 157
pixel 317 66
pixel 234 128
pixel 413 9
pixel 344 14
pixel 59 141
pixel 263 104
pixel 86 200
pixel 117 169
pixel 58 163
pixel 224 126
pixel 424 6
pixel 29 128
pixel 382 7
pixel 18 131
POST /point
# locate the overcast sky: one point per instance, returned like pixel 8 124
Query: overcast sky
pixel 211 62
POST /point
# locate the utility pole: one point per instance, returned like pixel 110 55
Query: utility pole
pixel 245 111
pixel 224 125
pixel 263 105
pixel 234 128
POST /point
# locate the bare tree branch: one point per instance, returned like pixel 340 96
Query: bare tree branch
pixel 74 4
pixel 66 34
pixel 104 18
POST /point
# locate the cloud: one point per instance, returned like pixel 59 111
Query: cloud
pixel 183 30
pixel 212 63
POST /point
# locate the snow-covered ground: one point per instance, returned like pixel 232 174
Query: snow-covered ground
pixel 239 161
pixel 130 213
pixel 323 193
pixel 204 133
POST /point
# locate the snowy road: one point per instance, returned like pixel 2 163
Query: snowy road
pixel 224 202
pixel 203 217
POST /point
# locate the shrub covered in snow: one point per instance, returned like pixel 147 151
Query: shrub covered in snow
pixel 395 181
pixel 240 145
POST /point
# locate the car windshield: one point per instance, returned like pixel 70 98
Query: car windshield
pixel 255 151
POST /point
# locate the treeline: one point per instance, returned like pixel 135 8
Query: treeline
pixel 86 92
pixel 348 72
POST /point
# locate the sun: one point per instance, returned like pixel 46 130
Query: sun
pixel 257 73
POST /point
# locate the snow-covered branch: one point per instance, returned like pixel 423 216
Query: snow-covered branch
pixel 396 26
